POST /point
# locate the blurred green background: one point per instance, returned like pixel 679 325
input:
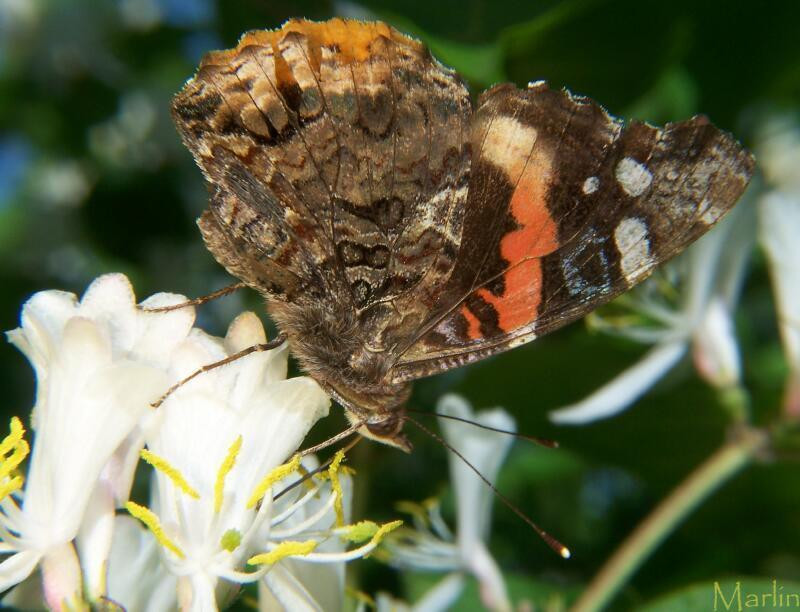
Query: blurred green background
pixel 93 179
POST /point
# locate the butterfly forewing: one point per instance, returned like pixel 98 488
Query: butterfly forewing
pixel 568 208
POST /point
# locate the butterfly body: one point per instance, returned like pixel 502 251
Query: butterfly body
pixel 397 231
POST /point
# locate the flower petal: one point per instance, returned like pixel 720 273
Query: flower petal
pixel 244 331
pixel 715 350
pixel 94 539
pixel 61 578
pixel 442 596
pixel 490 580
pixel 284 414
pixel 779 230
pixel 84 426
pixel 485 450
pixel 158 333
pixel 613 397
pixel 323 582
pixel 281 589
pixel 110 300
pixel 137 578
pixel 17 568
pixel 27 595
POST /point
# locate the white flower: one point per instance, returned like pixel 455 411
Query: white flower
pixel 778 152
pixel 432 546
pixel 99 363
pixel 220 449
pixel 779 217
pixel 714 269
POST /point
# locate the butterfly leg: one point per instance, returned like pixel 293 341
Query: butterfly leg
pixel 256 348
pixel 198 301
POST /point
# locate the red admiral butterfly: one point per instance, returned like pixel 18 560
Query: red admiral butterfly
pixel 397 231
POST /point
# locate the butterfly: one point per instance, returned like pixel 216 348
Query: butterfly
pixel 397 230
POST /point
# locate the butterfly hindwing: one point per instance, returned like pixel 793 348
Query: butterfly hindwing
pixel 567 208
pixel 325 144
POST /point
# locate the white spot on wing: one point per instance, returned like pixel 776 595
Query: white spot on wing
pixel 508 144
pixel 710 213
pixel 633 176
pixel 590 185
pixel 633 244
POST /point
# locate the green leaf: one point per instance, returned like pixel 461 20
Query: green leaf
pixel 481 64
pixel 674 96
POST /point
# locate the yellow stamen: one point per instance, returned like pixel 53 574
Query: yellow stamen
pixel 279 473
pixel 333 474
pixel 283 550
pixel 361 531
pixel 226 467
pixel 383 530
pixel 163 466
pixel 8 487
pixel 154 525
pixel 11 463
pixel 369 530
pixel 11 440
pixel 19 449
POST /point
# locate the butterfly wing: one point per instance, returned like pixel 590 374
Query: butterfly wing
pixel 324 145
pixel 567 208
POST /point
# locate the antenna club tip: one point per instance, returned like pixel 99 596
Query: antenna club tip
pixel 565 553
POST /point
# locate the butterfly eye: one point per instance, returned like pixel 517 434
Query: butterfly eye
pixel 386 426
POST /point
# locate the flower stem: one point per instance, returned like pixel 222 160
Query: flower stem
pixel 719 467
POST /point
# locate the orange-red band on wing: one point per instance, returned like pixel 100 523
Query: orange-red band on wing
pixel 536 236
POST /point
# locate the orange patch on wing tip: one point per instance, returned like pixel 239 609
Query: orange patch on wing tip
pixel 473 324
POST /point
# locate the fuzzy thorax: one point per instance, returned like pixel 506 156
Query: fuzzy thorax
pixel 332 349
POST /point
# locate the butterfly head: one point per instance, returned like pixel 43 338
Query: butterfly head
pixel 379 411
pixel 385 427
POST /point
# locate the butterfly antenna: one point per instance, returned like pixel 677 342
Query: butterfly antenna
pixel 196 301
pixel 316 470
pixel 535 439
pixel 557 546
pixel 333 440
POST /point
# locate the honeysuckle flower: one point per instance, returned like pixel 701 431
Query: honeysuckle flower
pixel 778 152
pixel 224 444
pixel 431 545
pixel 779 224
pixel 99 362
pixel 702 322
